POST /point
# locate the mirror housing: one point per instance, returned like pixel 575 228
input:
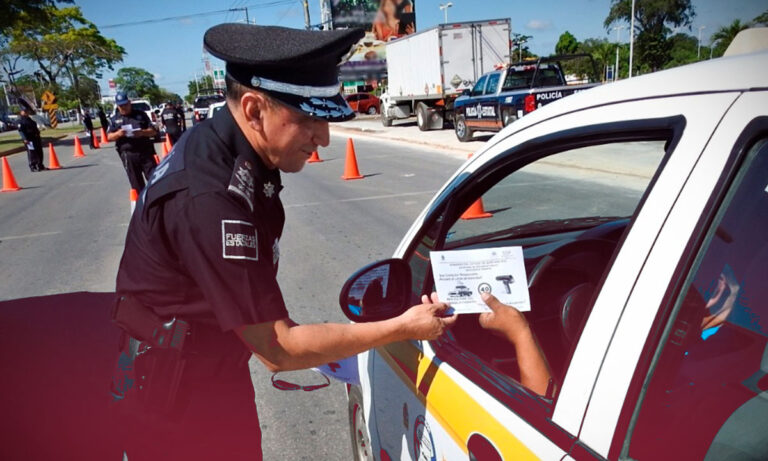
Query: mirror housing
pixel 378 291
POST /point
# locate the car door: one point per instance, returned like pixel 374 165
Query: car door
pixel 482 113
pixel 453 398
pixel 688 363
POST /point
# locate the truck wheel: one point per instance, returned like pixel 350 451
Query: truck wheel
pixel 361 440
pixel 463 132
pixel 422 116
pixel 385 121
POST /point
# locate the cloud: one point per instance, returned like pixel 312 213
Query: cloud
pixel 538 24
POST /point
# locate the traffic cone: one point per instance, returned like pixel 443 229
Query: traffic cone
pixel 315 158
pixel 157 160
pixel 168 142
pixel 78 149
pixel 476 210
pixel 165 150
pixel 134 197
pixel 95 141
pixel 53 161
pixel 104 139
pixel 9 182
pixel 350 165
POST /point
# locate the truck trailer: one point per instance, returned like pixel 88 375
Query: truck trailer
pixel 428 70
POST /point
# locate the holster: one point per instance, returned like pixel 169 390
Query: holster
pixel 142 323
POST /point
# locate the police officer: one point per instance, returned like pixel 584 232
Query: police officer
pixel 88 123
pixel 182 116
pixel 30 134
pixel 197 281
pixel 172 122
pixel 132 132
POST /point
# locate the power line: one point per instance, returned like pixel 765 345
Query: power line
pixel 195 15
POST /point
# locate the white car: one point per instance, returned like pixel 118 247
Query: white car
pixel 214 108
pixel 642 210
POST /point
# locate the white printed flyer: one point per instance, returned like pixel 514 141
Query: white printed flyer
pixel 461 276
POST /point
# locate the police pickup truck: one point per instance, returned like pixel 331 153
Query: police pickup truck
pixel 511 91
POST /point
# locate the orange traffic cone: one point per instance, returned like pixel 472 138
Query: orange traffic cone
pixel 78 149
pixel 165 150
pixel 476 210
pixel 9 182
pixel 168 142
pixel 104 139
pixel 315 158
pixel 53 161
pixel 95 141
pixel 134 197
pixel 157 160
pixel 350 165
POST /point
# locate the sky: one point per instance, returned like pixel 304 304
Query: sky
pixel 172 50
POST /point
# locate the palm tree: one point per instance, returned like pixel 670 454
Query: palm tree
pixel 725 35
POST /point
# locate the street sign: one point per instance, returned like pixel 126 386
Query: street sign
pixel 48 98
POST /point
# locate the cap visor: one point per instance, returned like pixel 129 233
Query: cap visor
pixel 333 109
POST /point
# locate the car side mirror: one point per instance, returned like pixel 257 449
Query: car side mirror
pixel 378 291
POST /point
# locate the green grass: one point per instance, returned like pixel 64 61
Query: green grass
pixel 10 141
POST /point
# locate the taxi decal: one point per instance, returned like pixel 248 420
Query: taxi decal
pixel 456 412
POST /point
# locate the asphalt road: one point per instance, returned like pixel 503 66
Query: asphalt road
pixel 64 233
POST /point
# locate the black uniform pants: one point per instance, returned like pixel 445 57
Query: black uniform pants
pixel 138 166
pixel 35 153
pixel 91 134
pixel 213 415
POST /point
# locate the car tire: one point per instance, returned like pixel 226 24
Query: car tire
pixel 422 116
pixel 463 132
pixel 358 429
pixel 386 121
pixel 372 110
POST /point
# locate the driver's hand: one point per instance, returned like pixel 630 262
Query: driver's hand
pixel 427 321
pixel 504 319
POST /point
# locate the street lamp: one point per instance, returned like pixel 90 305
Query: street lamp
pixel 712 47
pixel 618 44
pixel 698 48
pixel 444 7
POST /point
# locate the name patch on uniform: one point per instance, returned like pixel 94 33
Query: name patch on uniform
pixel 239 240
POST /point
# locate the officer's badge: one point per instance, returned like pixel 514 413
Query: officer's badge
pixel 242 184
pixel 269 189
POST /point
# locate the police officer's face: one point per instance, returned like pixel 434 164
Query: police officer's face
pixel 291 137
pixel 124 109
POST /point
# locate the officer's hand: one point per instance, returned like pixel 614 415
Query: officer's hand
pixel 503 319
pixel 120 133
pixel 427 321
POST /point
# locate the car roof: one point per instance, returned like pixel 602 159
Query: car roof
pixel 735 73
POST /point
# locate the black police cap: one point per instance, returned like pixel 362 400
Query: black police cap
pixel 297 67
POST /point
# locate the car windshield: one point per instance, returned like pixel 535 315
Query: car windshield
pixel 141 106
pixel 204 102
pixel 522 77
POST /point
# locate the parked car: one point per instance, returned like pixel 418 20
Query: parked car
pixel 201 106
pixel 365 103
pixel 214 108
pixel 642 210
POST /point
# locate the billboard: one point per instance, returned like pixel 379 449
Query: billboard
pixel 383 21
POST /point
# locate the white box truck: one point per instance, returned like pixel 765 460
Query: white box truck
pixel 426 71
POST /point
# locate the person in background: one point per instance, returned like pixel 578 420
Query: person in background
pixel 172 122
pixel 88 123
pixel 30 134
pixel 131 131
pixel 103 118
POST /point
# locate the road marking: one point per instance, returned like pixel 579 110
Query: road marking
pixel 361 199
pixel 25 236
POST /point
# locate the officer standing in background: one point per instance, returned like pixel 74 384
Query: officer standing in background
pixel 88 123
pixel 172 122
pixel 30 134
pixel 132 132
pixel 103 118
pixel 182 116
pixel 197 282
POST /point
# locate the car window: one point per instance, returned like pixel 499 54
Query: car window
pixel 141 106
pixel 548 77
pixel 518 77
pixel 493 83
pixel 478 88
pixel 705 397
pixel 569 212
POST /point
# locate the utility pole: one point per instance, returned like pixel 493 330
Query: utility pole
pixel 698 48
pixel 306 14
pixel 444 7
pixel 631 37
pixel 618 42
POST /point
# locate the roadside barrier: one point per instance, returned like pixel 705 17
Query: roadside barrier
pixel 78 148
pixel 350 165
pixel 95 141
pixel 476 210
pixel 53 161
pixel 165 150
pixel 104 139
pixel 168 143
pixel 134 195
pixel 315 158
pixel 9 182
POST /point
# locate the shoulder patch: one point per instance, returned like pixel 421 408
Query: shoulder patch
pixel 242 185
pixel 239 240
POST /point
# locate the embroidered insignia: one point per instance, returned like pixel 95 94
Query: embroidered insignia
pixel 239 240
pixel 269 189
pixel 242 183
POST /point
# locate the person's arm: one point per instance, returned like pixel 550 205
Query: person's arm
pixel 147 129
pixel 284 345
pixel 512 325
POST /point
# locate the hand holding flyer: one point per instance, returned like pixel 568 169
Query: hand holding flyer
pixel 461 276
pixel 129 129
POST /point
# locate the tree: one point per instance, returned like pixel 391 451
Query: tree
pixel 601 50
pixel 137 82
pixel 203 85
pixel 566 44
pixel 653 20
pixel 32 11
pixel 520 48
pixel 761 20
pixel 725 35
pixel 683 49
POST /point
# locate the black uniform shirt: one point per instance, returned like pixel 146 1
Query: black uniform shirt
pixel 204 238
pixel 138 120
pixel 28 129
pixel 171 120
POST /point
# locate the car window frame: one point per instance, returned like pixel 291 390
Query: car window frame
pixel 484 80
pixel 754 132
pixel 486 89
pixel 535 409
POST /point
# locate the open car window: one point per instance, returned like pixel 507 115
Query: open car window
pixel 569 212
